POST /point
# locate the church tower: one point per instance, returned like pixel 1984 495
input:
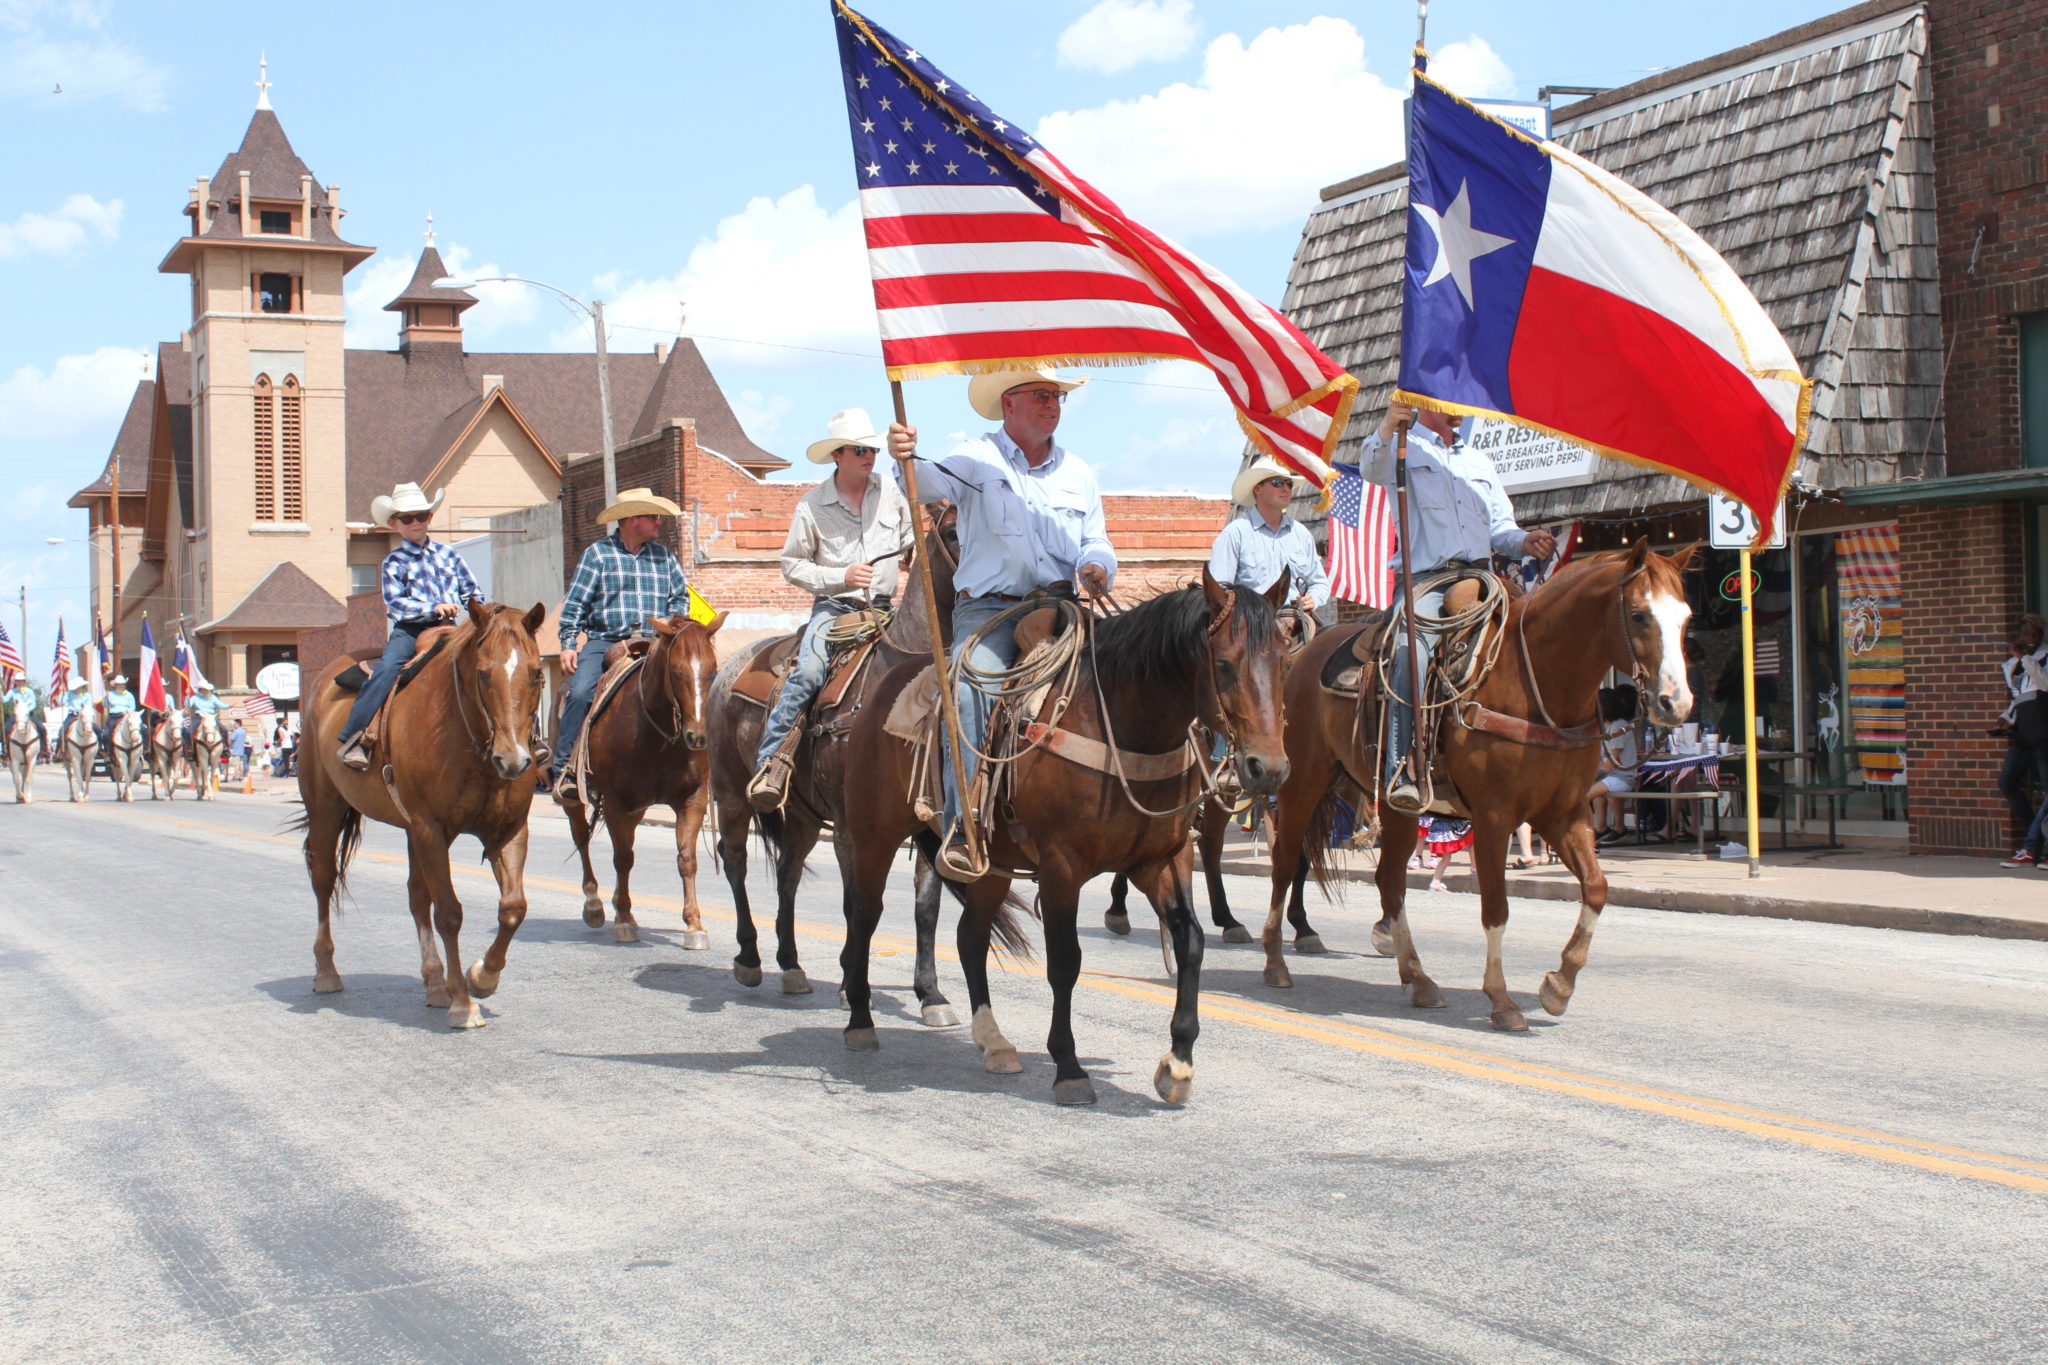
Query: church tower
pixel 266 258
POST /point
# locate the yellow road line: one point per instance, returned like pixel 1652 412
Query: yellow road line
pixel 1870 1144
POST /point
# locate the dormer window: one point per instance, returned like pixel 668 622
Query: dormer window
pixel 275 220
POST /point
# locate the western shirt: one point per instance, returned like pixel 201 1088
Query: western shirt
pixel 203 704
pixel 121 702
pixel 826 538
pixel 614 591
pixel 1022 526
pixel 1254 555
pixel 419 578
pixel 22 700
pixel 1456 506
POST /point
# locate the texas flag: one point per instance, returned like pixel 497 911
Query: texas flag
pixel 1546 292
pixel 152 693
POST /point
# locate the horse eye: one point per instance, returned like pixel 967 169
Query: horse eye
pixel 1226 674
pixel 1640 618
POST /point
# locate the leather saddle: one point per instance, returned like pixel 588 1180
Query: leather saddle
pixel 766 672
pixel 1347 668
pixel 352 678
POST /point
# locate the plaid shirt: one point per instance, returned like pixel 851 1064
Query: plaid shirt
pixel 418 578
pixel 614 591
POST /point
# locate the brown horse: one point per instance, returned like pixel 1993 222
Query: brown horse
pixel 1212 824
pixel 1626 611
pixel 647 749
pixel 458 744
pixel 818 785
pixel 1207 653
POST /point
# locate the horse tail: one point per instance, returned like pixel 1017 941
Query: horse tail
pixel 1006 926
pixel 351 839
pixel 1323 823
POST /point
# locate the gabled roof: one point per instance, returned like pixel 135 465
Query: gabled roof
pixel 1806 160
pixel 285 599
pixel 420 289
pixel 130 452
pixel 275 173
pixel 685 388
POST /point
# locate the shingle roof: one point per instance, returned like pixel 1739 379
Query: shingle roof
pixel 420 289
pixel 1811 174
pixel 275 172
pixel 131 450
pixel 285 599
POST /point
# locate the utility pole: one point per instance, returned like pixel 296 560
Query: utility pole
pixel 25 655
pixel 115 643
pixel 604 402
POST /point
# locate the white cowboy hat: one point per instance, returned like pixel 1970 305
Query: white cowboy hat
pixel 849 428
pixel 407 497
pixel 639 502
pixel 1256 473
pixel 203 685
pixel 985 392
pixel 76 680
pixel 120 680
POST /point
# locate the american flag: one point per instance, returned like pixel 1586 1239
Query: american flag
pixel 259 705
pixel 60 666
pixel 10 659
pixel 1362 540
pixel 988 254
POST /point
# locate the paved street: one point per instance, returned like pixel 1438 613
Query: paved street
pixel 1750 1140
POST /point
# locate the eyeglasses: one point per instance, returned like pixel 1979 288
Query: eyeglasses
pixel 1041 395
pixel 408 518
pixel 1276 482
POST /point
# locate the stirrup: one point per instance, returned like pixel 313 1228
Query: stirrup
pixel 355 755
pixel 565 786
pixel 1405 796
pixel 953 861
pixel 769 789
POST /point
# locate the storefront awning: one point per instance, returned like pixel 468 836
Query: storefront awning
pixel 2006 485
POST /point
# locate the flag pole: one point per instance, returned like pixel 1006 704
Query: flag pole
pixel 1752 739
pixel 949 708
pixel 1413 758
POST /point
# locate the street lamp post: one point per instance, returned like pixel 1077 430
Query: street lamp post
pixel 594 310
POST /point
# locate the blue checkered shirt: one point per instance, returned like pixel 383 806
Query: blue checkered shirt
pixel 419 578
pixel 614 591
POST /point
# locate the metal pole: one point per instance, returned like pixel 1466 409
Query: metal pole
pixel 1408 604
pixel 1749 747
pixel 949 708
pixel 604 401
pixel 115 643
pixel 25 655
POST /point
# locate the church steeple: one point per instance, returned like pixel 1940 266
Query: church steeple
pixel 431 316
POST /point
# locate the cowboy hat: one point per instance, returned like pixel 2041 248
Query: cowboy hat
pixel 1256 473
pixel 849 428
pixel 76 681
pixel 985 391
pixel 119 680
pixel 639 502
pixel 203 685
pixel 407 497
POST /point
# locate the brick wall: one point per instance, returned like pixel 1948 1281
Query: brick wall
pixel 1963 585
pixel 365 628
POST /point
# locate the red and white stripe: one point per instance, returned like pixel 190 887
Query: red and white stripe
pixel 1360 561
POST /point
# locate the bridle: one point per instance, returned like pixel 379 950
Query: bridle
pixel 1636 671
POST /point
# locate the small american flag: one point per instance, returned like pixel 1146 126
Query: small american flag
pixel 259 705
pixel 60 667
pixel 988 254
pixel 10 659
pixel 1362 540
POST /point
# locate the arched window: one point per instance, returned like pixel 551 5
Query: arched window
pixel 266 446
pixel 290 466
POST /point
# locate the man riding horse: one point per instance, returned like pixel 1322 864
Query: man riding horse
pixel 844 546
pixel 1255 549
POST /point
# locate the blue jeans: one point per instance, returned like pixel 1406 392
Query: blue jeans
pixel 998 649
pixel 582 691
pixel 1401 709
pixel 404 642
pixel 806 678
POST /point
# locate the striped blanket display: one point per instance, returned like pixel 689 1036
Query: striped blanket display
pixel 1867 572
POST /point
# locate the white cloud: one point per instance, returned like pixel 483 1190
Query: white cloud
pixel 1118 34
pixel 57 68
pixel 382 279
pixel 1248 145
pixel 1473 69
pixel 79 396
pixel 1182 455
pixel 761 415
pixel 64 231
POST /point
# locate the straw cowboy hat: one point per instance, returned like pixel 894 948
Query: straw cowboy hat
pixel 120 680
pixel 639 502
pixel 849 428
pixel 985 392
pixel 407 497
pixel 1256 473
pixel 203 685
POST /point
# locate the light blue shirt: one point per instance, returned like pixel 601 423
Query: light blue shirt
pixel 120 702
pixel 22 700
pixel 1021 527
pixel 203 704
pixel 1456 506
pixel 1254 555
pixel 78 699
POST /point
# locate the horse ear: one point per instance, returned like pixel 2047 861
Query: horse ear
pixel 717 620
pixel 533 618
pixel 1638 552
pixel 1213 592
pixel 1276 596
pixel 663 626
pixel 479 615
pixel 1682 559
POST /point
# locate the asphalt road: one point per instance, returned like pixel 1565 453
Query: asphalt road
pixel 1750 1140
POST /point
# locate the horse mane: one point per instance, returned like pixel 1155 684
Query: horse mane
pixel 1161 642
pixel 1658 566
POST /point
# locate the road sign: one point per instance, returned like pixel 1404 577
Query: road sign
pixel 1732 526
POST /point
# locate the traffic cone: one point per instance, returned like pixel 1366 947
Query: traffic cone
pixel 249 781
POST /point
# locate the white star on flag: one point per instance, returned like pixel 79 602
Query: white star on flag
pixel 1458 243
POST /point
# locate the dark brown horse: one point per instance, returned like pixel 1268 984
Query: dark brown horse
pixel 1626 611
pixel 1212 654
pixel 647 748
pixel 817 789
pixel 1212 825
pixel 458 744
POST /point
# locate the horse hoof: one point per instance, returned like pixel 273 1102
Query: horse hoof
pixel 1079 1090
pixel 1555 995
pixel 1509 1020
pixel 794 982
pixel 1116 922
pixel 939 1016
pixel 1237 933
pixel 326 983
pixel 482 984
pixel 1279 978
pixel 1002 1061
pixel 862 1040
pixel 593 913
pixel 1424 995
pixel 745 975
pixel 468 1014
pixel 696 941
pixel 1382 942
pixel 626 931
pixel 1310 944
pixel 437 998
pixel 1173 1080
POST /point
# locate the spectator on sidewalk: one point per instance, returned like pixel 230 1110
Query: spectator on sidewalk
pixel 1620 756
pixel 238 751
pixel 2024 723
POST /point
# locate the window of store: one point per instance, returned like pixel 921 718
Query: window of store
pixel 2034 389
pixel 1852 667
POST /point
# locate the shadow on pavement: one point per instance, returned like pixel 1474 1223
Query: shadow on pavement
pixel 396 1000
pixel 1467 1010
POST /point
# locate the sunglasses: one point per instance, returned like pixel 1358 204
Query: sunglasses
pixel 408 518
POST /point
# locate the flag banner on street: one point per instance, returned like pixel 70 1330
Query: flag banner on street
pixel 11 665
pixel 1362 540
pixel 60 664
pixel 1536 571
pixel 1543 291
pixel 108 663
pixel 259 705
pixel 988 254
pixel 151 692
pixel 185 667
pixel 700 611
pixel 98 668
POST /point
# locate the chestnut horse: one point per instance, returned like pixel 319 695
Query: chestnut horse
pixel 166 754
pixel 1207 653
pixel 817 787
pixel 646 749
pixel 1625 611
pixel 22 743
pixel 458 741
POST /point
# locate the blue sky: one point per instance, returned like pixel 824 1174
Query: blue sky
pixel 662 154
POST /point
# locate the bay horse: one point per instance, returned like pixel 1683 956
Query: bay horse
pixel 208 742
pixel 22 743
pixel 646 748
pixel 166 754
pixel 458 742
pixel 77 745
pixel 1209 653
pixel 818 784
pixel 1624 610
pixel 127 754
pixel 1212 825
